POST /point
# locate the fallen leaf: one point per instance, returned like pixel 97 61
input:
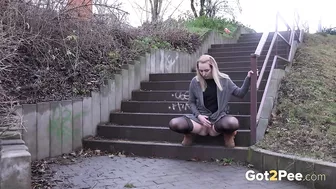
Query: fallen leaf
pixel 250 166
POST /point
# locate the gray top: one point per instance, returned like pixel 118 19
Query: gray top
pixel 196 103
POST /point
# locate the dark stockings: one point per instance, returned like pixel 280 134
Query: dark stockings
pixel 181 125
pixel 226 125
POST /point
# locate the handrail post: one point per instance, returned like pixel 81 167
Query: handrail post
pixel 276 22
pixel 253 102
pixel 276 44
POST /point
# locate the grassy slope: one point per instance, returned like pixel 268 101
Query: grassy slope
pixel 201 25
pixel 305 120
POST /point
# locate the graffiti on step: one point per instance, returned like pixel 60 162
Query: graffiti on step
pixel 170 61
pixel 61 122
pixel 179 106
pixel 181 95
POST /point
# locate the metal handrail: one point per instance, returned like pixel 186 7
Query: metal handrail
pixel 261 43
pixel 265 61
pixel 255 83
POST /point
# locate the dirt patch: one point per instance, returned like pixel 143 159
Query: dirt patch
pixel 304 122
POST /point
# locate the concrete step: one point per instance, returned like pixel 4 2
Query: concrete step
pixel 158 119
pixel 240 58
pixel 253 40
pixel 253 35
pixel 244 38
pixel 237 108
pixel 181 95
pixel 246 69
pixel 248 44
pixel 167 150
pixel 244 64
pixel 238 47
pixel 234 75
pixel 241 64
pixel 244 53
pixel 246 58
pixel 164 134
pixel 181 85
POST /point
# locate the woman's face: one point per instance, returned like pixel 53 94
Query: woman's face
pixel 205 70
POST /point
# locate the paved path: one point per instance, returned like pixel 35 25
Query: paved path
pixel 119 172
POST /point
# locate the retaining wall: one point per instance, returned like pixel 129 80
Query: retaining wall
pixel 315 174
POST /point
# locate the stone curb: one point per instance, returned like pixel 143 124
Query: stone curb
pixel 319 174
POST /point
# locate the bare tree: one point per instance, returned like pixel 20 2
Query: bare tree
pixel 213 8
pixel 156 6
pixel 158 9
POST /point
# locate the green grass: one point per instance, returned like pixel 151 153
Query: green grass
pixel 305 122
pixel 201 25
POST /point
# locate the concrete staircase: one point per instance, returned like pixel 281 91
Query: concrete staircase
pixel 141 127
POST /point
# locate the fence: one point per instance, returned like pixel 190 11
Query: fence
pixel 55 128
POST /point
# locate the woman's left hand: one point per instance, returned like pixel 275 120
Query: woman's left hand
pixel 251 72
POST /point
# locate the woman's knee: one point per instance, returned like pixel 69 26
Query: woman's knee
pixel 175 124
pixel 233 123
pixel 227 124
pixel 180 125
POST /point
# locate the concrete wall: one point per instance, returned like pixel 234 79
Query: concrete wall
pixel 272 93
pixel 55 128
pixel 14 165
pixel 269 103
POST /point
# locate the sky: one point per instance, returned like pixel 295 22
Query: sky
pixel 260 15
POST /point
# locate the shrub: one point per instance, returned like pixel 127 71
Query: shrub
pixel 331 31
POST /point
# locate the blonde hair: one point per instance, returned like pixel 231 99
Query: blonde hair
pixel 216 74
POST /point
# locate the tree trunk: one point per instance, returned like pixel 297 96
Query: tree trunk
pixel 155 9
pixel 201 12
pixel 193 8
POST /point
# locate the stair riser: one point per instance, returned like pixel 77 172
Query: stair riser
pixel 269 40
pixel 176 107
pixel 215 46
pixel 249 44
pixel 242 64
pixel 180 96
pixel 164 135
pixel 254 40
pixel 168 151
pixel 189 76
pixel 238 48
pixel 246 58
pixel 183 85
pixel 260 33
pixel 258 36
pixel 240 58
pixel 246 69
pixel 247 64
pixel 245 53
pixel 158 120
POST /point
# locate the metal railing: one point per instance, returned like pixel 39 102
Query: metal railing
pixel 256 80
